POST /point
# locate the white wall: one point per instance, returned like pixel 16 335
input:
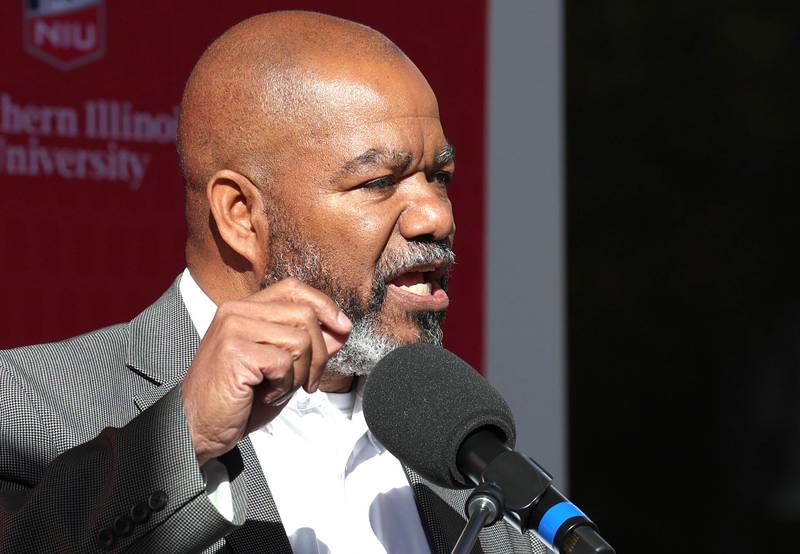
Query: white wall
pixel 525 248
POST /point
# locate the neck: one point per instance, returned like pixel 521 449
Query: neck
pixel 221 284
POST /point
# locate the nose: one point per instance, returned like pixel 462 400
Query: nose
pixel 427 214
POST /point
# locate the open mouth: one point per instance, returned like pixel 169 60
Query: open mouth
pixel 421 279
pixel 420 287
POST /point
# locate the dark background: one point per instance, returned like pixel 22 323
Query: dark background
pixel 684 312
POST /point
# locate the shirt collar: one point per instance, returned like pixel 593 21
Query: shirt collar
pixel 200 307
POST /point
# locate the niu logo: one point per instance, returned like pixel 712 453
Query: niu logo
pixel 65 33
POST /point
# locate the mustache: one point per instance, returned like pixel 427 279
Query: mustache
pixel 391 264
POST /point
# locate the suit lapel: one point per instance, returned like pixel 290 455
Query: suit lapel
pixel 442 513
pixel 431 523
pixel 161 347
pixel 263 530
pixel 162 340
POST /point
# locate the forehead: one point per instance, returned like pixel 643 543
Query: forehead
pixel 353 93
pixel 378 107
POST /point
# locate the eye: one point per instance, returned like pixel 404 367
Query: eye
pixel 443 177
pixel 380 183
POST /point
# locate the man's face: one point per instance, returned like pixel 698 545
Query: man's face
pixel 361 211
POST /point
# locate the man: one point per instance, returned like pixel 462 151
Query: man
pixel 227 415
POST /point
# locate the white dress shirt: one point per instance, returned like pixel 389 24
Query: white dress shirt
pixel 337 489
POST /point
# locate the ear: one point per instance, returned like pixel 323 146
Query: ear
pixel 237 207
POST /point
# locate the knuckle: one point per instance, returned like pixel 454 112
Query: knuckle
pixel 300 314
pixel 283 360
pixel 298 344
pixel 231 350
pixel 276 306
pixel 307 314
pixel 274 365
pixel 228 309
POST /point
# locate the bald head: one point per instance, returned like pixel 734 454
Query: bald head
pixel 268 83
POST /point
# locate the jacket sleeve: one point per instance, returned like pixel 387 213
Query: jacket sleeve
pixel 137 488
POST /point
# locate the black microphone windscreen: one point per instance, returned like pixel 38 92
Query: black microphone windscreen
pixel 422 401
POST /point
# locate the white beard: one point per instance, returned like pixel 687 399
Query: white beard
pixel 364 348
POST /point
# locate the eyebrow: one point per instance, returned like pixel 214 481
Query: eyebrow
pixel 397 160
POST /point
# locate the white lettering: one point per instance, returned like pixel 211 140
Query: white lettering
pixel 37 120
pixel 44 32
pixel 108 122
pixel 63 35
pixel 110 164
pixel 89 39
pixel 109 119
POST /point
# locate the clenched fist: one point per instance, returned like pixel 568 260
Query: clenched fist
pixel 256 353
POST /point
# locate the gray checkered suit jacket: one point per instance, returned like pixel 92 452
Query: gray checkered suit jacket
pixel 95 454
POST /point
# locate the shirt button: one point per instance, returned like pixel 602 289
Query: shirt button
pixel 140 512
pixel 105 538
pixel 123 526
pixel 157 500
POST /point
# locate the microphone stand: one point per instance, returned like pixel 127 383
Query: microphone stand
pixel 523 494
pixel 484 508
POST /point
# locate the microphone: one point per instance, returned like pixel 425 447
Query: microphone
pixel 437 415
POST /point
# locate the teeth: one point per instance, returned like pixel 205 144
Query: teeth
pixel 421 289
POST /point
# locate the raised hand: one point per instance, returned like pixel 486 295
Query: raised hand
pixel 256 353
